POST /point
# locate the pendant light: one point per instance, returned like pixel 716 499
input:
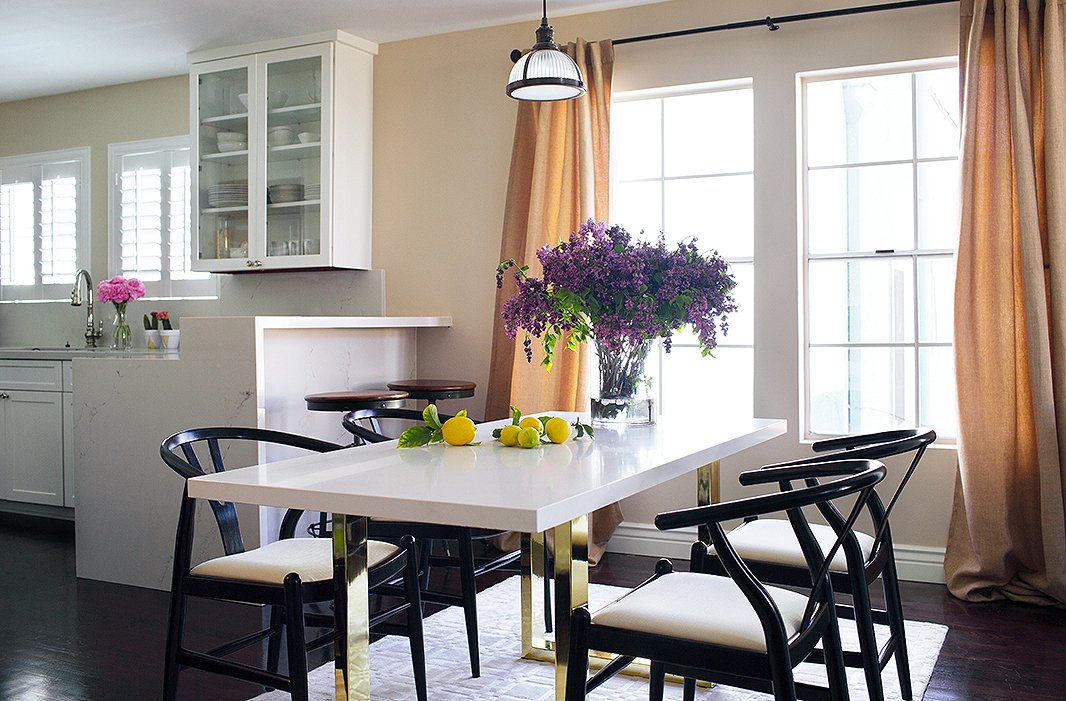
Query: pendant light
pixel 545 72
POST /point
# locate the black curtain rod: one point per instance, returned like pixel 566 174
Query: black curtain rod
pixel 772 23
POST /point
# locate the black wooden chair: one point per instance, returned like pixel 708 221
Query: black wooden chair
pixel 729 629
pixel 284 575
pixel 426 534
pixel 772 552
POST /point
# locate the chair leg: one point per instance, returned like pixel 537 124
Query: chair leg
pixel 294 629
pixel 577 669
pixel 656 681
pixel 689 689
pixel 896 624
pixel 274 641
pixel 864 625
pixel 175 630
pixel 835 669
pixel 414 623
pixel 425 551
pixel 469 594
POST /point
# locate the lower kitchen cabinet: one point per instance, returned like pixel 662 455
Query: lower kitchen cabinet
pixel 35 428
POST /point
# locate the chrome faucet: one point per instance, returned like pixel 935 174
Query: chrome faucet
pixel 92 330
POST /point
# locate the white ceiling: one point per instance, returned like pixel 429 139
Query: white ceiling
pixel 54 46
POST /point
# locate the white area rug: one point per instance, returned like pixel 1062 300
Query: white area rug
pixel 507 677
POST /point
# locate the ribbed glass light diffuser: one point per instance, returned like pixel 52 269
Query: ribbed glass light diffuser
pixel 544 75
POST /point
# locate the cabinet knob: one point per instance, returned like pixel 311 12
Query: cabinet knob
pixel 259 264
pixel 5 395
pixel 249 263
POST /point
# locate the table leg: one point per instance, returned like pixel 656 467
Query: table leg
pixel 534 636
pixel 708 491
pixel 350 608
pixel 571 589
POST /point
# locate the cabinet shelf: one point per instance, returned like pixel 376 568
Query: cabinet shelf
pixel 295 114
pixel 226 156
pixel 226 120
pixel 295 152
pixel 296 206
pixel 223 210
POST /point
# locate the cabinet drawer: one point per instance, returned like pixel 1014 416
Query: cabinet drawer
pixel 40 375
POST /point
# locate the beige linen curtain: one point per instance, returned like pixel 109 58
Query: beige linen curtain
pixel 1008 532
pixel 559 178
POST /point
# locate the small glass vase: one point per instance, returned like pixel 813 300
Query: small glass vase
pixel 122 339
pixel 624 394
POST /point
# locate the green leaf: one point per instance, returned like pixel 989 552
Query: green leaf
pixel 430 416
pixel 462 412
pixel 588 430
pixel 415 436
pixel 579 430
pixel 543 421
pixel 496 432
pixel 516 415
pixel 437 436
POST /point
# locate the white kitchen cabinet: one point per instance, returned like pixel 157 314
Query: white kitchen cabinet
pixel 283 152
pixel 34 433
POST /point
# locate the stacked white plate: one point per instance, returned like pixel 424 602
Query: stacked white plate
pixel 313 192
pixel 228 194
pixel 285 192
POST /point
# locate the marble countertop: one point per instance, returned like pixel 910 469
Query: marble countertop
pixel 66 353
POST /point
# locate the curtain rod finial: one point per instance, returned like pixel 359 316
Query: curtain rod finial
pixel 770 24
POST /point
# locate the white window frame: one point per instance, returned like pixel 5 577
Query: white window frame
pixel 166 288
pixel 914 255
pixel 657 362
pixel 81 157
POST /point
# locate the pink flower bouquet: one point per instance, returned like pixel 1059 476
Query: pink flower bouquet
pixel 119 291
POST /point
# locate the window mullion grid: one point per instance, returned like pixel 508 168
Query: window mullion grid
pixel 38 230
pixel 166 181
pixel 914 262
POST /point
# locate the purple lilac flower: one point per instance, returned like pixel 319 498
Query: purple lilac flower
pixel 600 283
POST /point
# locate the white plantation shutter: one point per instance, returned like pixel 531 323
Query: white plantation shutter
pixel 16 233
pixel 43 222
pixel 151 217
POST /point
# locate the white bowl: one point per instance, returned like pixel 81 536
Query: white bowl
pixel 231 136
pixel 228 146
pixel 276 99
pixel 281 136
pixel 243 97
pixel 307 137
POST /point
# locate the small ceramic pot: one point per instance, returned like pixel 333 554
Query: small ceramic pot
pixel 152 340
pixel 171 340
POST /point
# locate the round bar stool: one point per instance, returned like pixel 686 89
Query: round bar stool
pixel 352 399
pixel 433 391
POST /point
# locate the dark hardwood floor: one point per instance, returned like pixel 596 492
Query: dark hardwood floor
pixel 77 640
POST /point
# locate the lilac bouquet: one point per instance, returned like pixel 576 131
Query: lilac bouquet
pixel 119 291
pixel 600 284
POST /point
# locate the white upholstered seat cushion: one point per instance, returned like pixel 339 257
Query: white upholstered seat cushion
pixel 311 558
pixel 772 540
pixel 701 607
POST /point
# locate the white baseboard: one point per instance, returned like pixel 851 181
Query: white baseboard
pixel 914 563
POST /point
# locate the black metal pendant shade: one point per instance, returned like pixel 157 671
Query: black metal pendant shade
pixel 544 73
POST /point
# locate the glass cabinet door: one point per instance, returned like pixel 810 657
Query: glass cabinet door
pixel 225 131
pixel 296 161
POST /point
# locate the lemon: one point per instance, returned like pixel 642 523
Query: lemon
pixel 509 435
pixel 529 437
pixel 557 429
pixel 458 430
pixel 531 422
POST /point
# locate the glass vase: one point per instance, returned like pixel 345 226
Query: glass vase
pixel 122 339
pixel 624 393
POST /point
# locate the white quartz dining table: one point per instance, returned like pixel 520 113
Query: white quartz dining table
pixel 548 488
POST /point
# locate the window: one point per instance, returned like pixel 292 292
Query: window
pixel 44 223
pixel 682 164
pixel 150 211
pixel 881 207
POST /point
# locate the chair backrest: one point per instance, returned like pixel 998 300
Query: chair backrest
pixel 870 446
pixel 190 464
pixel 353 421
pixel 848 477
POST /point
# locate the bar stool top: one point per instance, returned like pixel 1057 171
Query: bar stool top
pixel 422 389
pixel 350 399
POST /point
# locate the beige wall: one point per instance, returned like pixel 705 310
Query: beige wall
pixel 442 140
pixel 443 131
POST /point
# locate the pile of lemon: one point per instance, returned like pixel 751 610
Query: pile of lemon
pixel 531 431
